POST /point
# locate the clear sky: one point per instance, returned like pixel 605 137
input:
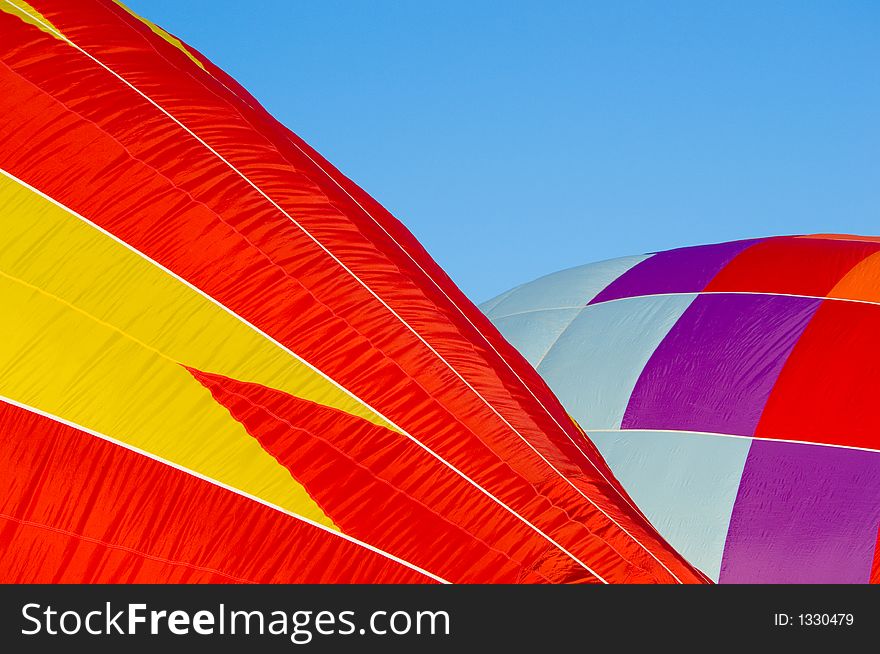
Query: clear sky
pixel 518 138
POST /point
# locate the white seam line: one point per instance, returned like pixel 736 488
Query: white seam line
pixel 307 364
pixel 723 435
pixel 377 297
pixel 679 294
pixel 220 484
pixel 493 318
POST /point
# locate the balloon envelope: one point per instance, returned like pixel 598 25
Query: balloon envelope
pixel 733 390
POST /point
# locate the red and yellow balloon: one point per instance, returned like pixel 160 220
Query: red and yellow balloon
pixel 221 360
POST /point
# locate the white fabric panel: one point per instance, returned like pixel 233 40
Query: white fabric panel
pixel 534 332
pixel 488 306
pixel 592 357
pixel 595 363
pixel 564 289
pixel 685 484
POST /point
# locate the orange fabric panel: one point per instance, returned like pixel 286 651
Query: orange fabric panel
pixel 860 283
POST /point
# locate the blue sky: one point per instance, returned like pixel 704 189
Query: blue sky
pixel 518 138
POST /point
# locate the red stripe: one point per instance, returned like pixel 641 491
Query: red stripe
pixel 78 509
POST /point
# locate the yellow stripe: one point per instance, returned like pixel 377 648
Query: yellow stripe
pixel 60 360
pixel 173 40
pixel 94 333
pixel 21 9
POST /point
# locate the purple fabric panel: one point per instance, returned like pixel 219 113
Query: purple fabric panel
pixel 715 369
pixel 803 514
pixel 685 270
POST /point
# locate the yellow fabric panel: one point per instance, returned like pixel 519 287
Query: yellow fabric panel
pixel 28 14
pixel 165 35
pixel 96 334
pixel 63 361
pixel 54 250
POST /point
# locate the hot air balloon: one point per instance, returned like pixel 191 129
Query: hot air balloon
pixel 221 360
pixel 732 388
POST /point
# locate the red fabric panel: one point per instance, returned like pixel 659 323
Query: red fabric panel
pixel 828 389
pixel 119 161
pixel 792 265
pixel 381 488
pixel 78 509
